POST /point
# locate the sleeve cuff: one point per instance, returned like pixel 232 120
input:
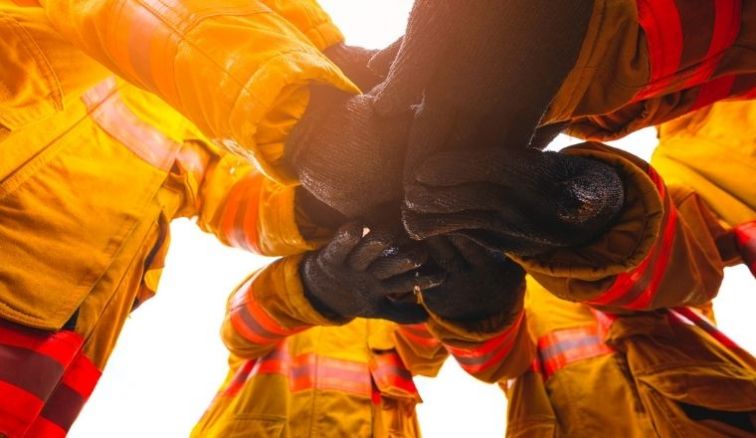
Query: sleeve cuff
pixel 623 246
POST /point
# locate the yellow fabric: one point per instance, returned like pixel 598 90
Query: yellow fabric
pixel 596 98
pixel 85 217
pixel 310 19
pixel 691 273
pixel 634 391
pixel 235 68
pixel 713 151
pixel 266 402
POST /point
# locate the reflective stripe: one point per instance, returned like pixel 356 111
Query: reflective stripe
pixel 241 376
pixel 44 379
pixel 63 407
pixel 563 347
pixel 419 334
pixel 745 236
pixel 636 289
pixel 18 409
pixel 26 2
pixel 726 27
pixel 687 315
pixel 489 353
pixel 713 91
pixel 43 428
pixel 114 117
pixel 676 31
pixel 660 19
pixel 240 214
pixel 308 371
pixel 252 321
pixel 390 374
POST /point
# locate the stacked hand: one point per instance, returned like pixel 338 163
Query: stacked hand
pixel 369 276
pixel 478 284
pixel 525 202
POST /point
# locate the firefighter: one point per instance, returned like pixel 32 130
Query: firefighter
pixel 94 168
pixel 661 374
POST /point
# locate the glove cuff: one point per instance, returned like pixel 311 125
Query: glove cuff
pixel 323 102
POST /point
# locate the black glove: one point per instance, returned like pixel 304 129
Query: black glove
pixel 479 283
pixel 524 202
pixel 369 277
pixel 483 70
pixel 354 60
pixel 345 155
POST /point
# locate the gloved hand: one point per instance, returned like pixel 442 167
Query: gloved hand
pixel 479 283
pixel 524 202
pixel 369 277
pixel 353 62
pixel 345 155
pixel 481 71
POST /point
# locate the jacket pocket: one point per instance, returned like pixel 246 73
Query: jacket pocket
pixel 64 217
pixel 256 427
pixel 29 89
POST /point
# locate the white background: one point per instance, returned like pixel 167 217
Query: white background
pixel 169 360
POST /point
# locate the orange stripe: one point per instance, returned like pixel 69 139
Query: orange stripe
pixel 389 371
pixel 228 214
pixel 564 347
pixel 489 345
pixel 44 428
pixel 726 28
pixel 311 371
pixel 247 227
pixel 61 346
pixel 745 236
pixel 713 91
pixel 627 284
pixel 82 376
pixel 660 19
pixel 115 118
pixel 418 336
pixel 490 353
pixel 660 268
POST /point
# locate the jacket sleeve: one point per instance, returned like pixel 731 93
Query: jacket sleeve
pixel 235 68
pixel 421 352
pixel 267 308
pixel 310 19
pixel 656 254
pixel 239 205
pixel 491 350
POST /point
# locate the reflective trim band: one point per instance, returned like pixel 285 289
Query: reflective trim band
pixel 490 352
pixel 636 289
pixel 312 371
pixel 44 379
pixel 713 91
pixel 660 19
pixel 43 428
pixel 112 115
pixel 745 237
pixel 391 375
pixel 240 377
pixel 240 214
pixel 252 321
pixel 18 409
pixel 676 32
pixel 418 334
pixel 563 347
pixel 689 316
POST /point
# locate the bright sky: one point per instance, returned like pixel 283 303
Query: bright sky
pixel 170 361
